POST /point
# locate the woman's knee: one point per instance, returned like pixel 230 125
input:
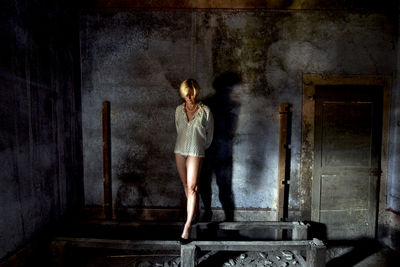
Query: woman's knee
pixel 192 189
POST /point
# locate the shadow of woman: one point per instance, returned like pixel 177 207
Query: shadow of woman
pixel 219 157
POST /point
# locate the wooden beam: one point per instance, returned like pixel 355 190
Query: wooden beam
pixel 251 245
pixel 255 5
pixel 117 244
pixel 187 4
pixel 283 147
pixel 251 225
pixel 107 160
pixel 175 245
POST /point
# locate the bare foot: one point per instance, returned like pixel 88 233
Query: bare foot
pixel 186 232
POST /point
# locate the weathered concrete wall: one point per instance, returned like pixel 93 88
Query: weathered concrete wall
pixel 136 60
pixel 392 226
pixel 40 136
pixel 394 184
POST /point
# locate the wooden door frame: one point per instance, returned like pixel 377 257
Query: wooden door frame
pixel 310 81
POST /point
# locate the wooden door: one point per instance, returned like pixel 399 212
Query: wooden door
pixel 346 171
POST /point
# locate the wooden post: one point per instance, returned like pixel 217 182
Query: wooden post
pixel 282 168
pixel 57 252
pixel 316 254
pixel 188 255
pixel 107 160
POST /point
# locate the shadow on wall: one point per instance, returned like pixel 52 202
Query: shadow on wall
pixel 219 156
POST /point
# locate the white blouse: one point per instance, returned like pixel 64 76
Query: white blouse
pixel 194 136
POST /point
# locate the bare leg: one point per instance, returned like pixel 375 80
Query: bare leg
pixel 181 166
pixel 193 167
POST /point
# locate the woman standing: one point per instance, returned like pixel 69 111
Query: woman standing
pixel 194 125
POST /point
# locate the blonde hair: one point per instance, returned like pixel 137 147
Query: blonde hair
pixel 187 85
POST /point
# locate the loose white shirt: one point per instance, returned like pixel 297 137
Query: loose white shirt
pixel 194 136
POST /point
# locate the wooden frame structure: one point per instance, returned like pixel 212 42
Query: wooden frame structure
pixel 315 249
pixel 108 206
pixel 299 229
pixel 284 157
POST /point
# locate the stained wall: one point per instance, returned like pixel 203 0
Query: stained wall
pixel 247 64
pixel 40 123
pixel 393 189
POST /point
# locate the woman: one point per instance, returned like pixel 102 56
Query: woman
pixel 194 125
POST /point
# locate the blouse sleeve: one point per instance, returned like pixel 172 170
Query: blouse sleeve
pixel 209 129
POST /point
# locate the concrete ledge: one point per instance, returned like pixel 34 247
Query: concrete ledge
pixel 251 225
pixel 315 249
pixel 299 229
pixel 251 245
pixel 118 244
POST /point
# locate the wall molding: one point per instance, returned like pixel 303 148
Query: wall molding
pixel 239 5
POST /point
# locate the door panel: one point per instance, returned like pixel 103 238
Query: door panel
pixel 355 196
pixel 344 187
pixel 346 134
pixel 357 224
